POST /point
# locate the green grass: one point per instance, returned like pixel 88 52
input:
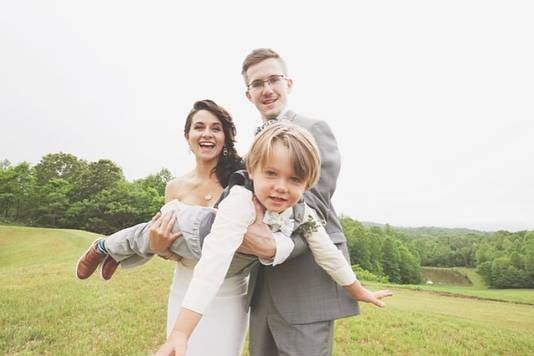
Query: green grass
pixel 45 310
pixel 474 277
pixel 477 289
pixel 459 276
pixel 421 323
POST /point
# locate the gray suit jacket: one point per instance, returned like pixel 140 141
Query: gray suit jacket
pixel 302 291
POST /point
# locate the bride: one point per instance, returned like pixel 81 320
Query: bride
pixel 210 133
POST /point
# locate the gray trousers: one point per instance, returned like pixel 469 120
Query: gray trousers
pixel 131 246
pixel 271 335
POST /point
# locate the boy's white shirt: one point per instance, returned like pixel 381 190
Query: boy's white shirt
pixel 235 213
pixel 284 247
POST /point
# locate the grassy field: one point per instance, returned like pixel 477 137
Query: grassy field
pixel 476 289
pixel 473 276
pixel 45 310
pixel 458 276
pixel 445 276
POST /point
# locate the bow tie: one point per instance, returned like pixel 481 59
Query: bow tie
pixel 265 124
pixel 282 222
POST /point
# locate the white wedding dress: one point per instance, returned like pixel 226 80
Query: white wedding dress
pixel 222 328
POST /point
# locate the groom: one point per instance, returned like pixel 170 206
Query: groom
pixel 294 304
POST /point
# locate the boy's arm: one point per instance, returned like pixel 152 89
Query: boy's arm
pixel 327 255
pixel 234 215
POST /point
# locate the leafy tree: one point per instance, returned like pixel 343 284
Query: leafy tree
pixel 16 191
pixel 391 261
pixel 157 181
pixel 516 260
pixel 484 253
pixel 64 191
pixel 58 165
pixel 4 164
pixel 511 256
pixel 484 269
pixel 122 205
pixel 410 270
pixel 499 269
pixel 53 203
pixel 375 248
pixel 98 176
pixel 365 275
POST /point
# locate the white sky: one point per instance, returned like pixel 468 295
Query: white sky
pixel 431 102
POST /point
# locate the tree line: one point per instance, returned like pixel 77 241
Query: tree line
pixel 67 192
pixel 504 259
pixel 64 191
pixel 383 252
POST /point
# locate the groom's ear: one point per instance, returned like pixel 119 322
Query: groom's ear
pixel 247 94
pixel 289 85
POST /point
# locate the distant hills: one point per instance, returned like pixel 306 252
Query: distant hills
pixel 430 230
pixel 435 230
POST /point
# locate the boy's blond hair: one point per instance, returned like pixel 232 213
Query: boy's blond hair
pixel 303 151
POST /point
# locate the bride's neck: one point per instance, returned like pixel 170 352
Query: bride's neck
pixel 204 169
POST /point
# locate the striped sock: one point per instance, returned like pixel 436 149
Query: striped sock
pixel 100 248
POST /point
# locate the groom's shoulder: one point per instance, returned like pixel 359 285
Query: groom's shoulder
pixel 317 127
pixel 306 121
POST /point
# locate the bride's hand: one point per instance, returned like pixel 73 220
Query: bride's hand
pixel 160 233
pixel 175 345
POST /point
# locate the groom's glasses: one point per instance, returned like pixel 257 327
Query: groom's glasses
pixel 273 81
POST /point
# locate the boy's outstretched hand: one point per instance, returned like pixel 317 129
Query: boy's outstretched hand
pixel 376 297
pixel 362 294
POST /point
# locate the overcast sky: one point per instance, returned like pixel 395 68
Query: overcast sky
pixel 432 102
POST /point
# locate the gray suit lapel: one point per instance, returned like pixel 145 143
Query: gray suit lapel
pixel 288 115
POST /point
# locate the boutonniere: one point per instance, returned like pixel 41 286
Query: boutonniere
pixel 308 227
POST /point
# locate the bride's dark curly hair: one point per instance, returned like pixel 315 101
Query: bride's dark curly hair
pixel 229 161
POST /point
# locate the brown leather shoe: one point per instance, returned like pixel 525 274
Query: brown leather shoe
pixel 88 263
pixel 108 268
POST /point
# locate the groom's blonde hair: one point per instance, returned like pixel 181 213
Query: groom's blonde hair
pixel 303 151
